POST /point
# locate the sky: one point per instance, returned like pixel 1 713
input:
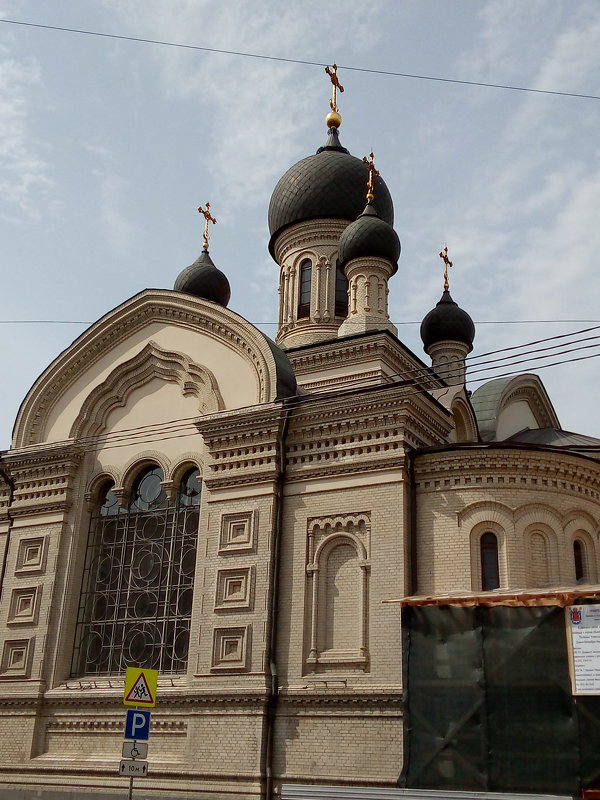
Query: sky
pixel 108 146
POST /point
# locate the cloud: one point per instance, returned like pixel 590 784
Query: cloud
pixel 251 121
pixel 25 183
pixel 119 231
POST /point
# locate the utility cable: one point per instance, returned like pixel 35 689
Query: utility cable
pixel 242 54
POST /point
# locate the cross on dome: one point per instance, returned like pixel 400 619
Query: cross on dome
pixel 447 263
pixel 207 218
pixel 334 118
pixel 373 173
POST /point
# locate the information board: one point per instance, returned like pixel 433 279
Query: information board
pixel 583 639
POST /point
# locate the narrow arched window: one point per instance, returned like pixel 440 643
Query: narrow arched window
pixel 136 601
pixel 579 559
pixel 304 289
pixel 341 293
pixel 490 572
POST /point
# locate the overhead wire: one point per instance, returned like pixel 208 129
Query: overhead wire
pixel 303 62
pixel 319 403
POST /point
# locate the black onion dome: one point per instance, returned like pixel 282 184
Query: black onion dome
pixel 331 183
pixel 368 236
pixel 447 322
pixel 204 280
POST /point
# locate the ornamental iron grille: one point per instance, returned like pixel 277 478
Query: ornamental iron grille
pixel 136 603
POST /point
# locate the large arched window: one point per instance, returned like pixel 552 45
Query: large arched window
pixel 304 289
pixel 136 601
pixel 490 572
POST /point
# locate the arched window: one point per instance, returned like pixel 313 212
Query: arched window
pixel 490 572
pixel 304 289
pixel 579 559
pixel 341 293
pixel 136 602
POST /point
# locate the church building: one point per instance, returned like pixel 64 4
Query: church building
pixel 184 494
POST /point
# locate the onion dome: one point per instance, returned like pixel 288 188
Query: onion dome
pixel 204 280
pixel 447 322
pixel 369 236
pixel 330 184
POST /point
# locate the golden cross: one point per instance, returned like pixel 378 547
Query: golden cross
pixel 447 263
pixel 373 173
pixel 335 85
pixel 207 218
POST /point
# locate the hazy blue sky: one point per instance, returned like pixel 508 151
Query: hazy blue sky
pixel 107 147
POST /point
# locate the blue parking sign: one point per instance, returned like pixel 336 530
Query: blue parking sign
pixel 137 724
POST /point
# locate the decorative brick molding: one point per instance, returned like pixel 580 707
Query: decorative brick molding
pixel 24 606
pixel 31 555
pixel 238 532
pixel 235 589
pixel 43 477
pixel 357 435
pixel 326 535
pixel 242 446
pixel 231 648
pixel 16 658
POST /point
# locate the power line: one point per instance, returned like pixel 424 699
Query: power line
pixel 267 322
pixel 242 54
pixel 184 427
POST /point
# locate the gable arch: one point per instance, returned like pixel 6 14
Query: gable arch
pixel 150 362
pixel 237 354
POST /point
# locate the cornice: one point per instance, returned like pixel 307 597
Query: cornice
pixel 511 468
pixel 43 477
pixel 313 233
pixel 361 350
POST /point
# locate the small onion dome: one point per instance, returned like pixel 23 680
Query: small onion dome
pixel 204 280
pixel 330 184
pixel 447 322
pixel 369 236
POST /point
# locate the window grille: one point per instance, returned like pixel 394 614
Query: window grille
pixel 136 603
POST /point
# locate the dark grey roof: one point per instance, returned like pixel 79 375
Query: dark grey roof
pixel 286 379
pixel 331 183
pixel 368 236
pixel 447 322
pixel 556 437
pixel 203 279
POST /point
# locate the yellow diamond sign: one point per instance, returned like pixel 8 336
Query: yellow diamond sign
pixel 140 687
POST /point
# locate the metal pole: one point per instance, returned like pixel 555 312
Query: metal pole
pixel 130 788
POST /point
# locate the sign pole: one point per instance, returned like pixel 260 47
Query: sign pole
pixel 130 788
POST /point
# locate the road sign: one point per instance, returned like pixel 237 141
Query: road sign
pixel 133 768
pixel 140 687
pixel 135 749
pixel 137 724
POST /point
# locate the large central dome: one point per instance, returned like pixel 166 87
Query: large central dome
pixel 331 183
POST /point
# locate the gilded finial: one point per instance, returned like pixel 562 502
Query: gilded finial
pixel 207 218
pixel 334 118
pixel 373 173
pixel 447 263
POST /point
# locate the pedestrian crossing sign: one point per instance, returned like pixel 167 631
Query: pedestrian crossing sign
pixel 140 687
